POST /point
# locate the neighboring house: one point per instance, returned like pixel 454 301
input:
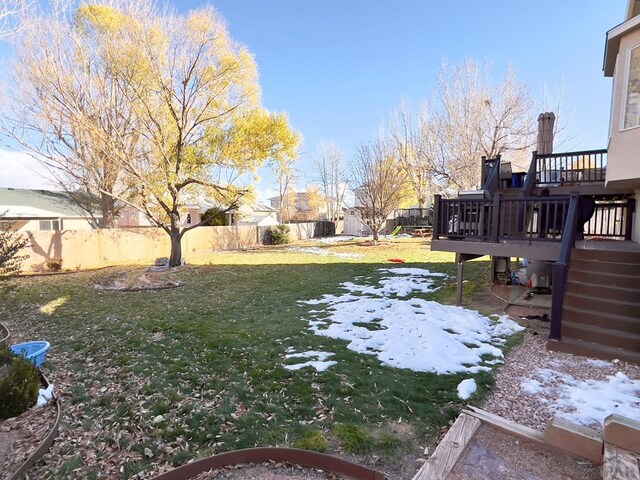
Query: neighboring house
pixel 355 224
pixel 34 210
pixel 129 216
pixel 303 207
pixel 256 214
pixel 567 197
pixel 132 217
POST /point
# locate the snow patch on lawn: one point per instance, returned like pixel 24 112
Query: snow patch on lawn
pixel 336 239
pixel 411 333
pixel 587 402
pixel 415 272
pixel 324 253
pixel 466 388
pixel 321 364
pixel 310 354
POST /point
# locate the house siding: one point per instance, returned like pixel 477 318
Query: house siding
pixel 623 169
pixel 67 224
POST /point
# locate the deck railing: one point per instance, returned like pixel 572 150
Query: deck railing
pixel 523 218
pixel 413 217
pixel 611 218
pixel 587 166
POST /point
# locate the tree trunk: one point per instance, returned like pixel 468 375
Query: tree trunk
pixel 108 211
pixel 374 231
pixel 175 259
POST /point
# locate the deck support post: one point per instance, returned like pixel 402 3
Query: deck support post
pixel 436 217
pixel 460 277
pixel 495 217
pixel 460 259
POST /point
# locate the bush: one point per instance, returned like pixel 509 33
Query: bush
pixel 214 217
pixel 10 244
pixel 280 235
pixel 19 383
pixel 54 264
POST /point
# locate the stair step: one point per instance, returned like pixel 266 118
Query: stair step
pixel 606 256
pixel 617 268
pixel 604 291
pixel 602 278
pixel 603 305
pixel 589 349
pixel 608 320
pixel 603 336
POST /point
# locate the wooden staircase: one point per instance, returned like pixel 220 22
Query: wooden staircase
pixel 601 309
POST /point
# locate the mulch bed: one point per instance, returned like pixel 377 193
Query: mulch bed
pixel 138 281
pixel 265 471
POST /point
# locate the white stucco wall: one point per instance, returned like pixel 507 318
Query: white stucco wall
pixel 623 169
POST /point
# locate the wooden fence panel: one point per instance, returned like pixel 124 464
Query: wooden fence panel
pixel 120 246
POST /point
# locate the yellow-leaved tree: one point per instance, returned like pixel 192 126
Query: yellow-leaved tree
pixel 198 109
pixel 315 202
pixel 179 114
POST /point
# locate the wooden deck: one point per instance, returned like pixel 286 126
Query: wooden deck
pixel 533 250
pixel 608 245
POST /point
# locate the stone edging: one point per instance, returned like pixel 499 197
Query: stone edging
pixel 5 335
pixel 45 444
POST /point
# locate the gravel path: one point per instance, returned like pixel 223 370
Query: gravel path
pixel 532 404
pixel 494 455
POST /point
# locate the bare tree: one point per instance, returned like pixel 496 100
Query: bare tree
pixel 471 116
pixel 331 176
pixel 66 107
pixel 379 183
pixel 286 177
pixel 557 99
pixel 413 139
pixel 13 15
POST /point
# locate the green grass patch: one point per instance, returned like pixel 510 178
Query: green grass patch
pixel 201 368
pixel 312 440
pixel 353 438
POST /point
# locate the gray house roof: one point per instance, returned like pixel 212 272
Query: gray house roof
pixel 25 203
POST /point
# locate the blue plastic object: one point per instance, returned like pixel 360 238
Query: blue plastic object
pixel 34 351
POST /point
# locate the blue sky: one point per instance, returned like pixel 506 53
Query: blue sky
pixel 339 67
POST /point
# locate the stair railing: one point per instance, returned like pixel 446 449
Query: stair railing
pixel 492 180
pixel 560 268
pixel 530 180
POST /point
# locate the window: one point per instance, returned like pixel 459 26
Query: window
pixel 50 224
pixel 632 101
